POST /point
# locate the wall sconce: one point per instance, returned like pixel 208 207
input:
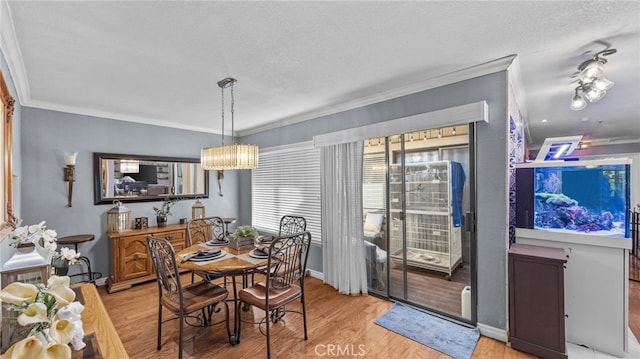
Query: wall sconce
pixel 70 173
pixel 592 83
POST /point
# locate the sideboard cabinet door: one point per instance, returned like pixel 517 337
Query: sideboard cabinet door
pixel 536 300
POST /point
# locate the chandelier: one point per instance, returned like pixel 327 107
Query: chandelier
pixel 234 156
pixel 592 83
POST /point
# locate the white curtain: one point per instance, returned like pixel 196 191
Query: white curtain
pixel 343 248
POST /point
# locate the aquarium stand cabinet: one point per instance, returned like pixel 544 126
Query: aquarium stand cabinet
pixel 432 215
pixel 596 286
pixel 536 300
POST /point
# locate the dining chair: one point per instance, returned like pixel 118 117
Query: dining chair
pixel 291 225
pixel 184 302
pixel 288 225
pixel 201 230
pixel 288 260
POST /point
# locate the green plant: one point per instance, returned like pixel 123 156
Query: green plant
pixel 245 231
pixel 165 209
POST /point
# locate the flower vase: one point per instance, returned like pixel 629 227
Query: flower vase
pixel 60 266
pixel 161 221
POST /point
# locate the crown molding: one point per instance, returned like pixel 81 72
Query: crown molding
pixel 116 116
pixel 486 68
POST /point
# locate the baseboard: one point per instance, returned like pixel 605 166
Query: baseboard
pixel 493 332
pixel 315 274
pixel 102 281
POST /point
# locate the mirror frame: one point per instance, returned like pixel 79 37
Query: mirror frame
pixel 8 103
pixel 97 176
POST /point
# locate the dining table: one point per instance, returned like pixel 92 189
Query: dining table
pixel 233 263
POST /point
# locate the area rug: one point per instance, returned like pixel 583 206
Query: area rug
pixel 440 334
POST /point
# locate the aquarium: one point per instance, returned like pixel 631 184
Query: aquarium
pixel 577 196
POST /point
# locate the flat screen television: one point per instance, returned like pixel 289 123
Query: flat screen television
pixel 146 173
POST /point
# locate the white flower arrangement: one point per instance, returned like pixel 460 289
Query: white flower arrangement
pixel 38 234
pixel 51 314
pixel 69 254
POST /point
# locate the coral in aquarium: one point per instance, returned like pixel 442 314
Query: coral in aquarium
pixel 552 184
pixel 556 210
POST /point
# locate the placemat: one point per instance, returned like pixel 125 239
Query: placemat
pixel 252 260
pixel 226 256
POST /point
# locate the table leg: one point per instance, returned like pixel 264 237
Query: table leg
pixel 235 337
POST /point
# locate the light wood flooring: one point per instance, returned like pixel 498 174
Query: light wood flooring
pixel 430 288
pixel 338 326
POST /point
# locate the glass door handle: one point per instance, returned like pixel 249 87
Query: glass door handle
pixel 470 222
pixel 401 215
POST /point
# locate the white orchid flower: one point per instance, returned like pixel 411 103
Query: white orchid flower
pixel 35 228
pixel 69 254
pixel 29 347
pixel 50 246
pixel 49 235
pixel 18 293
pixel 62 331
pixel 35 313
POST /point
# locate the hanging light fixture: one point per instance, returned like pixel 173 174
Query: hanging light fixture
pixel 235 156
pixel 592 83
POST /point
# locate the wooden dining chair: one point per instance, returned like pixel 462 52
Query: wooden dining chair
pixel 184 302
pixel 288 225
pixel 288 260
pixel 201 230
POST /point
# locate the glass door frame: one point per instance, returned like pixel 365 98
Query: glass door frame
pixel 469 229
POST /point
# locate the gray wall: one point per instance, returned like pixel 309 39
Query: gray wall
pixel 42 137
pixel 491 171
pixel 47 135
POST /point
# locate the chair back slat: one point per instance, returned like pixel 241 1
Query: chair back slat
pixel 288 258
pixel 165 266
pixel 292 225
pixel 202 230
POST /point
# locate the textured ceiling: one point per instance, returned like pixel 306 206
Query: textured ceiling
pixel 159 61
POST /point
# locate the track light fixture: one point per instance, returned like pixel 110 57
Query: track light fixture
pixel 592 83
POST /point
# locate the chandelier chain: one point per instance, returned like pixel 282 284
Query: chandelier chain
pixel 222 107
pixel 232 112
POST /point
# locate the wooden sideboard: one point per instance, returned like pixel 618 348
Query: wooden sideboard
pixel 130 259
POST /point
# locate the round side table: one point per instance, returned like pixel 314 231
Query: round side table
pixel 75 240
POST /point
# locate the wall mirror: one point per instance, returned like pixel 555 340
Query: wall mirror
pixel 7 217
pixel 135 178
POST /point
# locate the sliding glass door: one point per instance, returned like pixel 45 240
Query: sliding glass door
pixel 427 195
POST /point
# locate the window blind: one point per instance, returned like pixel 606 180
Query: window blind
pixel 287 182
pixel 374 181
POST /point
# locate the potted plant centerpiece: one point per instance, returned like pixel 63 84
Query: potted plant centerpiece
pixel 164 211
pixel 243 237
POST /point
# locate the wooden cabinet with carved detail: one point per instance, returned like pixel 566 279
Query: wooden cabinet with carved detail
pixel 130 259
